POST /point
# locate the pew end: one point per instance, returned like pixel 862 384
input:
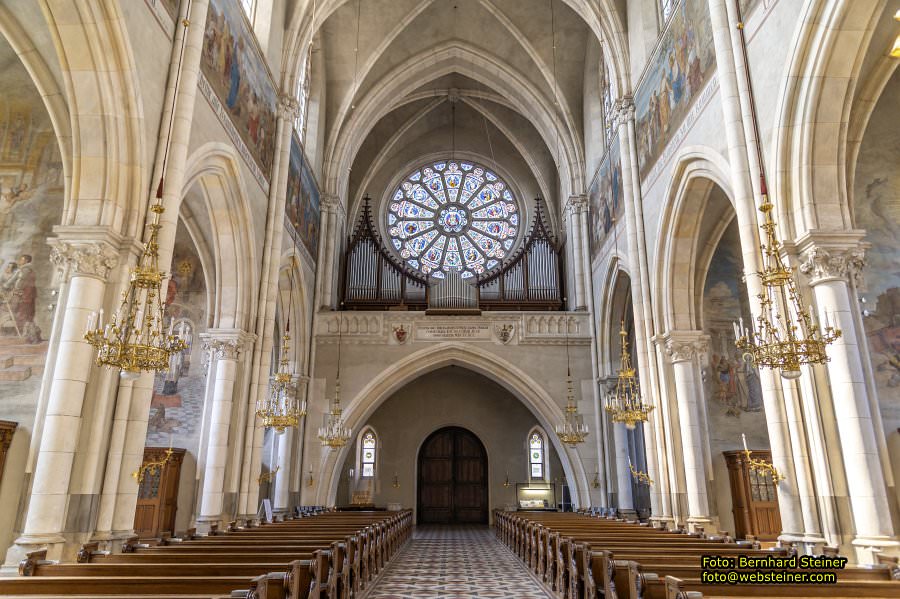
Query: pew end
pixel 675 590
pixel 32 560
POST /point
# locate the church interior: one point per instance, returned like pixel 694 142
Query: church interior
pixel 345 299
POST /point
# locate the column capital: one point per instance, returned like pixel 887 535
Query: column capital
pixel 79 258
pixel 331 203
pixel 623 110
pixel 682 346
pixel 832 256
pixel 227 344
pixel 288 107
pixel 576 204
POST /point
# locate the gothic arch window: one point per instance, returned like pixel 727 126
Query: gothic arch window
pixel 249 7
pixel 606 96
pixel 537 454
pixel 368 453
pixel 453 215
pixel 303 96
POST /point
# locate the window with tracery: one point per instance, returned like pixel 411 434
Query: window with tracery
pixel 667 7
pixel 453 215
pixel 368 454
pixel 249 7
pixel 607 99
pixel 536 455
pixel 303 97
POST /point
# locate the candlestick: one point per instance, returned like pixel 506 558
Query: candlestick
pixel 744 438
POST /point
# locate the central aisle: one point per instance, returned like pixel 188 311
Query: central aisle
pixel 458 562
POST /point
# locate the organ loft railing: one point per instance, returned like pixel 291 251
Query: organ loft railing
pixel 530 279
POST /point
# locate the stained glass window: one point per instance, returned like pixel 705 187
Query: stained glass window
pixel 303 96
pixel 368 454
pixel 606 96
pixel 453 215
pixel 536 455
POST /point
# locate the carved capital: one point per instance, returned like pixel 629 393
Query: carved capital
pixel 330 203
pixel 577 204
pixel 624 110
pixel 86 259
pixel 685 346
pixel 227 344
pixel 288 107
pixel 821 264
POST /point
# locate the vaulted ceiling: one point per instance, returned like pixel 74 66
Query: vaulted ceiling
pixel 479 78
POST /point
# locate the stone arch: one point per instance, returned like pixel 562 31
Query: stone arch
pixel 697 172
pixel 296 303
pixel 614 274
pixel 214 171
pixel 813 115
pixel 512 378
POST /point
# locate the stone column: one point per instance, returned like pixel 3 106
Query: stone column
pixel 288 109
pixel 296 470
pixel 829 263
pixel 625 498
pixel 654 432
pixel 282 496
pixel 330 231
pixel 225 347
pixel 684 349
pixel 86 265
pixel 575 206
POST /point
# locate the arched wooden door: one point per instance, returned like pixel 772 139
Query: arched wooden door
pixel 452 478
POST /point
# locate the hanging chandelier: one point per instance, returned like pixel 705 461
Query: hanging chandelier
pixel 134 340
pixel 572 430
pixel 334 433
pixel 280 408
pixel 625 404
pixel 785 336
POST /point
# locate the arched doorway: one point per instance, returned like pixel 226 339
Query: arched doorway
pixel 452 477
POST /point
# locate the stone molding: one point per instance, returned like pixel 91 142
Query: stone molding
pixel 623 110
pixel 226 344
pixel 83 259
pixel 682 346
pixel 577 204
pixel 288 108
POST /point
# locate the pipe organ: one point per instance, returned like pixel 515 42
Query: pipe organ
pixel 530 279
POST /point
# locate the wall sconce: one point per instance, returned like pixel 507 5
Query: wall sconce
pixel 396 481
pixel 506 482
pixel 267 477
pixel 596 482
pixel 309 481
pixel 762 466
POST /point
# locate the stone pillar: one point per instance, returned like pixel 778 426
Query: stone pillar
pixel 224 348
pixel 86 265
pixel 296 470
pixel 288 109
pixel 829 264
pixel 327 249
pixel 575 206
pixel 282 496
pixel 684 349
pixel 651 388
pixel 625 497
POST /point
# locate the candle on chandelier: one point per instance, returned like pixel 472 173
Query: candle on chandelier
pixel 744 438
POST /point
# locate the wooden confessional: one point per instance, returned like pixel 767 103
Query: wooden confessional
pixel 753 497
pixel 158 493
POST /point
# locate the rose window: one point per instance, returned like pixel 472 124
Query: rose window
pixel 453 215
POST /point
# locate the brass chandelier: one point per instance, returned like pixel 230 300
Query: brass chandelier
pixel 334 433
pixel 625 404
pixel 785 336
pixel 280 408
pixel 134 340
pixel 572 430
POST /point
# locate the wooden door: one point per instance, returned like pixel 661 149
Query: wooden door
pixel 753 497
pixel 453 478
pixel 158 493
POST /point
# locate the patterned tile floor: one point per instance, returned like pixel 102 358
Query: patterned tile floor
pixel 455 563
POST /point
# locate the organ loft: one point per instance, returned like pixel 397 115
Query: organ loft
pixel 368 299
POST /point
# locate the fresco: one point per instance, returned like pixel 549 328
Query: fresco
pixel 238 75
pixel 684 62
pixel 876 208
pixel 605 196
pixel 31 203
pixel 732 382
pixel 176 410
pixel 302 205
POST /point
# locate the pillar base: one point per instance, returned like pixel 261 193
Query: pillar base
pixel 867 547
pixel 805 544
pixel 54 544
pixel 628 514
pixel 667 522
pixel 204 522
pixel 694 523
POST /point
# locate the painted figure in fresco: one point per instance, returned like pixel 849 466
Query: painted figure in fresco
pixel 235 75
pixel 19 295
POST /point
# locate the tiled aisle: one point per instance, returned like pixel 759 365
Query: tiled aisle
pixel 458 563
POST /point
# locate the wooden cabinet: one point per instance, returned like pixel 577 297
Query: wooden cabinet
pixel 753 497
pixel 158 493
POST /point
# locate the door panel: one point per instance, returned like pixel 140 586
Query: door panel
pixel 452 478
